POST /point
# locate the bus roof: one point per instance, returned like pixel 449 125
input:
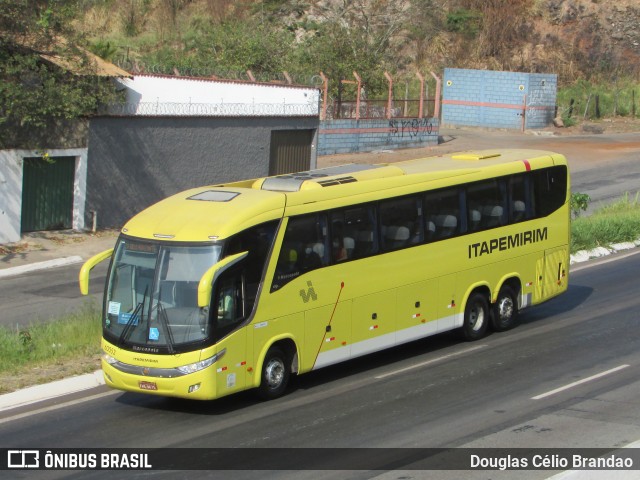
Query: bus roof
pixel 206 214
pixel 441 166
pixel 216 212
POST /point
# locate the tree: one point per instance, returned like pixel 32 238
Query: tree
pixel 363 35
pixel 499 29
pixel 44 76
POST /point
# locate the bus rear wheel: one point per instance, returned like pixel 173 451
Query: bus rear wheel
pixel 505 311
pixel 476 317
pixel 276 371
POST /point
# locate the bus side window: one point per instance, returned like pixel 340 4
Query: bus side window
pixel 442 213
pixel 353 233
pixel 519 201
pixel 229 303
pixel 485 205
pixel 401 223
pixel 257 241
pixel 550 189
pixel 304 248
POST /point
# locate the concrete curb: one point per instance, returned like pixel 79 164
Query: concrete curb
pixel 32 267
pixel 47 391
pixel 584 255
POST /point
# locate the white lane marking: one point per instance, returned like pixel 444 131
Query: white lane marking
pixel 433 360
pixel 59 406
pixel 579 382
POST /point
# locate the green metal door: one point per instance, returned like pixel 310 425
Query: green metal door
pixel 47 193
pixel 290 151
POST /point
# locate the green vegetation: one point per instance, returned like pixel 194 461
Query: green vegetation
pixel 593 100
pixel 615 223
pixel 44 75
pixel 464 21
pixel 579 203
pixel 236 46
pixel 47 345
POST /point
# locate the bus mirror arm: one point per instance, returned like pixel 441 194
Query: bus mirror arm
pixel 83 276
pixel 205 286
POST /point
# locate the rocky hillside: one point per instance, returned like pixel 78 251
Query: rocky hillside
pixel 588 39
pixel 604 33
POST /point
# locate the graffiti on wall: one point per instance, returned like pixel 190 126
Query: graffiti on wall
pixel 410 128
pixel 539 97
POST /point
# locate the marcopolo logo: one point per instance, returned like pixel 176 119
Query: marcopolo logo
pixel 23 459
pixel 309 294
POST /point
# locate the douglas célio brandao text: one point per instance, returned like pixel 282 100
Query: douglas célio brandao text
pixel 550 461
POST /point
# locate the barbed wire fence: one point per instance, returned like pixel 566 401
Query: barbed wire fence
pixel 336 107
pixel 209 109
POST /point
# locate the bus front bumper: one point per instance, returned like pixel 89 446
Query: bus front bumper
pixel 198 385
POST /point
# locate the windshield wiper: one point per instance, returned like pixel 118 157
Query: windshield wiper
pixel 124 336
pixel 162 313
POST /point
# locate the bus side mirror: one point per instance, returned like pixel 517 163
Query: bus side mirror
pixel 83 276
pixel 205 286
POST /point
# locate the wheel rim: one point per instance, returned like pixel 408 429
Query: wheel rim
pixel 505 308
pixel 476 317
pixel 274 373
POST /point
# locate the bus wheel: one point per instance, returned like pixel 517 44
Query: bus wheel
pixel 476 317
pixel 276 372
pixel 505 310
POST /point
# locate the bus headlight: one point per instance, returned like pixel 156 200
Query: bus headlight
pixel 202 364
pixel 108 358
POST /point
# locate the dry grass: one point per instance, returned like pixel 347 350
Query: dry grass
pixel 14 248
pixel 45 372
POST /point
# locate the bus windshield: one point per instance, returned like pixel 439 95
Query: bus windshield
pixel 151 300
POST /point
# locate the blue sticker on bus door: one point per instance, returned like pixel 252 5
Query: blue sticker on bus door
pixel 154 334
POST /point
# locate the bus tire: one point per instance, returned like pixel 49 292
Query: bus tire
pixel 476 317
pixel 504 312
pixel 276 371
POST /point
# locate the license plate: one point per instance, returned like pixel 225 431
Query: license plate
pixel 148 385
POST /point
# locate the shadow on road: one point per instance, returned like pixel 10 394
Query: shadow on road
pixel 575 296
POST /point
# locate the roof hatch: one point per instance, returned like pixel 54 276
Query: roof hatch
pixel 214 196
pixel 325 177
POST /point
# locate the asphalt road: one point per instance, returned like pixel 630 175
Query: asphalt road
pixel 43 295
pixel 567 376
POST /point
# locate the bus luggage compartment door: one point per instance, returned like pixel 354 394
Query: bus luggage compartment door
pixel 374 322
pixel 555 272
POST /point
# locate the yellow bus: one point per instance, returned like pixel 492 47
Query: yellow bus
pixel 242 285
